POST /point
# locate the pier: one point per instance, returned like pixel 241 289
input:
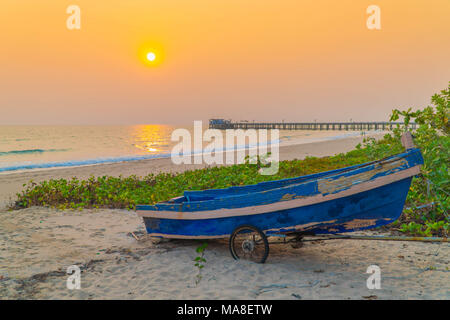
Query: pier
pixel 348 126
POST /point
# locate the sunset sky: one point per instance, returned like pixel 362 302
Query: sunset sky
pixel 240 59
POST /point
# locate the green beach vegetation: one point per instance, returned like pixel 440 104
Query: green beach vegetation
pixel 427 204
pixel 428 200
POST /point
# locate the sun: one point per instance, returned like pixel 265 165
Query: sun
pixel 151 56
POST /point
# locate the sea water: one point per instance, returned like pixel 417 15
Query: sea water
pixel 37 147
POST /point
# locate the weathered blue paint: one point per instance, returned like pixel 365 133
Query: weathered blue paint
pixel 361 210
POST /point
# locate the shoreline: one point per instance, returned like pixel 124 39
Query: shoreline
pixel 12 182
pixel 21 168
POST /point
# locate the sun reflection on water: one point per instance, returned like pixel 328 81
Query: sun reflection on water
pixel 152 138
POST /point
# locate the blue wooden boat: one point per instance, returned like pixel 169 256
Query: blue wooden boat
pixel 354 198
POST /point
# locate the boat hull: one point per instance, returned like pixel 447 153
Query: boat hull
pixel 344 200
pixel 374 207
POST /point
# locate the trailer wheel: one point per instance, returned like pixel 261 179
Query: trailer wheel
pixel 249 243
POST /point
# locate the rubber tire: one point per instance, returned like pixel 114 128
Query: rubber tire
pixel 262 235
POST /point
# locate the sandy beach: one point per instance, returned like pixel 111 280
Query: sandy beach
pixel 119 261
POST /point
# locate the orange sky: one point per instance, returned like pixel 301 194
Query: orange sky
pixel 256 60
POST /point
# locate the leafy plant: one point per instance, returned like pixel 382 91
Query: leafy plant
pixel 199 260
pixel 433 185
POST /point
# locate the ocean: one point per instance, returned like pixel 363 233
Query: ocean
pixel 38 147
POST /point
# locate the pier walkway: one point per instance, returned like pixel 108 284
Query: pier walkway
pixel 357 126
